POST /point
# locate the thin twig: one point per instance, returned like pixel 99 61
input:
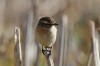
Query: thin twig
pixel 17 48
pixel 95 44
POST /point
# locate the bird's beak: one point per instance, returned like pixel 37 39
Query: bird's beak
pixel 55 24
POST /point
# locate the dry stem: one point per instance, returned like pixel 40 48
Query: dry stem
pixel 17 48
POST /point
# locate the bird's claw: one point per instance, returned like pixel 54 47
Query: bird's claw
pixel 46 49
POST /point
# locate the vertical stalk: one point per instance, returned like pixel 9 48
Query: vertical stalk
pixel 17 48
pixel 95 44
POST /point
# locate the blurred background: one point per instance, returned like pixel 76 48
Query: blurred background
pixel 73 44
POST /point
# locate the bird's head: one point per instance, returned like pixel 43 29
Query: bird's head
pixel 46 22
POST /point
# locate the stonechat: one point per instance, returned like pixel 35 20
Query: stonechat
pixel 46 32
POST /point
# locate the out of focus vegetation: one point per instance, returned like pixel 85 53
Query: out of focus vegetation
pixel 22 12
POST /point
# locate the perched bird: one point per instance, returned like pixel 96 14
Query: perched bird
pixel 46 33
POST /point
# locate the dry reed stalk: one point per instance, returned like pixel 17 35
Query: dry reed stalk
pixel 95 43
pixel 17 48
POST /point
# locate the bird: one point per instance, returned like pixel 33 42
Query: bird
pixel 46 32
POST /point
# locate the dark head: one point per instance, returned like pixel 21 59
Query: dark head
pixel 47 22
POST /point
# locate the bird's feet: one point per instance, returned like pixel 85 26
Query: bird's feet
pixel 46 50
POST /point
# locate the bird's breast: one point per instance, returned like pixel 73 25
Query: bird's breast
pixel 46 37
